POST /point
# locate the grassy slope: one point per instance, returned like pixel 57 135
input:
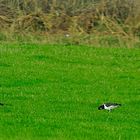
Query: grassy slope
pixel 53 92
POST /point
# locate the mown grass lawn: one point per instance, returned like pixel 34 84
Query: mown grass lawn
pixel 52 92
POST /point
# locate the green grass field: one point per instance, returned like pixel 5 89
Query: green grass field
pixel 52 92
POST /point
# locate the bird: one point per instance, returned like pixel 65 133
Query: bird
pixel 108 106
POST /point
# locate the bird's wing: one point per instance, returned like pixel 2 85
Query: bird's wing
pixel 112 104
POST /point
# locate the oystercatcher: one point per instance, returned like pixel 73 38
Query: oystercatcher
pixel 109 106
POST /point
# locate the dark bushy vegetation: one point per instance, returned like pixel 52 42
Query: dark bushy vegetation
pixel 97 17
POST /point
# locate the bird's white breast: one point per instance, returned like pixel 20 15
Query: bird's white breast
pixel 109 107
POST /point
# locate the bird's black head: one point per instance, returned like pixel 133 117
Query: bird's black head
pixel 1 104
pixel 101 107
